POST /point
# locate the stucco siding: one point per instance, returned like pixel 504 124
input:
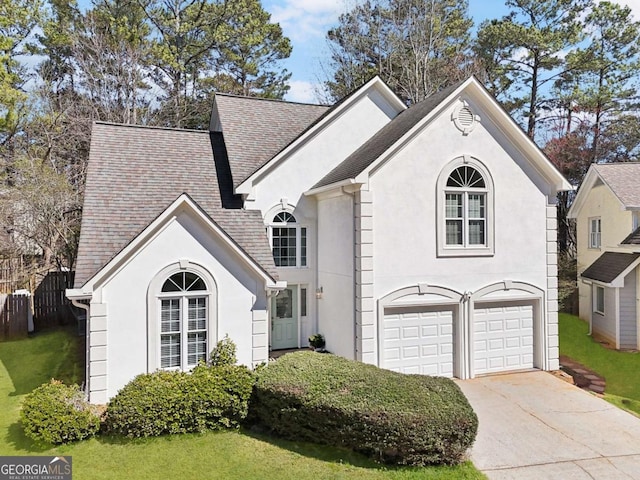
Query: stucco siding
pixel 239 299
pixel 336 274
pixel 405 248
pixel 628 315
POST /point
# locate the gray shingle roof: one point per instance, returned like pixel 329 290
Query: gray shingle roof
pixel 135 173
pixel 256 129
pixel 633 238
pixel 609 266
pixel 624 181
pixel 385 138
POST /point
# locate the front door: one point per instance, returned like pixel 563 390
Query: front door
pixel 284 319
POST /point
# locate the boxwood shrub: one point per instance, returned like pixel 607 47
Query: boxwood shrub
pixel 394 418
pixel 57 413
pixel 167 402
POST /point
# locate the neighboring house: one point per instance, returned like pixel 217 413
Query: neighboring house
pixel 421 240
pixel 607 213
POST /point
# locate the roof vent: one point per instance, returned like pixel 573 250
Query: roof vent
pixel 464 118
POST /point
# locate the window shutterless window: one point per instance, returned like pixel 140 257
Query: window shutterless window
pixel 595 232
pixel 599 300
pixel 465 207
pixel 288 241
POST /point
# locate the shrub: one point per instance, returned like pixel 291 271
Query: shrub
pixel 317 340
pixel 57 413
pixel 224 353
pixel 209 398
pixel 394 418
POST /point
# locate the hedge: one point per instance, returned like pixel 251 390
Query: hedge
pixel 392 417
pixel 168 402
pixel 57 413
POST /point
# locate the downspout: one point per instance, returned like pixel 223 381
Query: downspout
pixel 87 309
pixel 353 257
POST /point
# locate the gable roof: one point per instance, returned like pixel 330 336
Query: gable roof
pixel 374 85
pixel 256 129
pixel 135 173
pixel 623 179
pixel 377 149
pixel 633 238
pixel 611 267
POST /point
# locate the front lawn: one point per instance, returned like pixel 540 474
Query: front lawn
pixel 25 364
pixel 619 369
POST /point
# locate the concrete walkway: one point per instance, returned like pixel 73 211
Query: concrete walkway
pixel 535 426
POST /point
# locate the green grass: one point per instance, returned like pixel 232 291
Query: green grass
pixel 619 369
pixel 25 364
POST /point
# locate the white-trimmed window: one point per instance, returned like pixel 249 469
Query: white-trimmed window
pixel 465 225
pixel 595 232
pixel 288 241
pixel 183 321
pixel 598 300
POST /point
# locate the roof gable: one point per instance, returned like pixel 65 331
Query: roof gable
pixel 135 173
pixel 374 87
pixel 183 204
pixel 622 179
pixel 256 129
pixel 400 130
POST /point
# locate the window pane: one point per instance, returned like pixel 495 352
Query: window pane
pixel 476 206
pixel 193 282
pixel 196 348
pixel 303 302
pixel 170 350
pixel 476 232
pixel 454 232
pixel 465 177
pixel 453 205
pixel 170 315
pixel 284 217
pixel 303 247
pixel 284 304
pixel 197 314
pixel 284 247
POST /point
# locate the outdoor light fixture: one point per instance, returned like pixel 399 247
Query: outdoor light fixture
pixel 319 293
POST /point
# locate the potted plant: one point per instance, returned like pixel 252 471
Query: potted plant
pixel 316 341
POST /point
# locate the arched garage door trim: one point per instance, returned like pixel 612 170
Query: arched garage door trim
pixel 428 296
pixel 515 292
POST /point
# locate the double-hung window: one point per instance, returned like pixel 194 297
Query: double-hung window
pixel 288 241
pixel 598 301
pixel 465 209
pixel 595 232
pixel 183 321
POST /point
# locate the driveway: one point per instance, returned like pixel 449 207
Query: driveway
pixel 536 426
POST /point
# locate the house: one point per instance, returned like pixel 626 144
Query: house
pixel 607 214
pixel 419 239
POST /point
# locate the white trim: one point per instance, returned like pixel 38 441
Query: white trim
pixel 246 187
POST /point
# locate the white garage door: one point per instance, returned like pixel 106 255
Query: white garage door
pixel 502 338
pixel 418 340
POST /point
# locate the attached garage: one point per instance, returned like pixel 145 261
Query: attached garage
pixel 419 340
pixel 502 337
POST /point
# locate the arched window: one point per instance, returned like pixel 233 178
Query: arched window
pixel 183 321
pixel 466 209
pixel 288 241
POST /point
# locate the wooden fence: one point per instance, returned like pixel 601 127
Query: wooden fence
pixel 50 306
pixel 14 316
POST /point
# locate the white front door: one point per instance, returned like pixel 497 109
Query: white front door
pixel 284 319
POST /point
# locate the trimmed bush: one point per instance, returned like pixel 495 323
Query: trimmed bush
pixel 394 418
pixel 224 353
pixel 209 398
pixel 57 413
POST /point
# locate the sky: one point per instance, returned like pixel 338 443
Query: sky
pixel 306 22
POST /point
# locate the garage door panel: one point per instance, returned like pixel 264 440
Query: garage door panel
pixel 418 341
pixel 503 338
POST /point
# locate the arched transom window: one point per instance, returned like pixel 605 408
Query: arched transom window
pixel 183 321
pixel 466 208
pixel 288 241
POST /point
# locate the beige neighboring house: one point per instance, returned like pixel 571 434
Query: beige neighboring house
pixel 607 212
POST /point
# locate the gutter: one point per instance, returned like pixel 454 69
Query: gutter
pixel 77 297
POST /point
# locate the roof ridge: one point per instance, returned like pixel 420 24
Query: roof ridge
pixel 274 100
pixel 149 127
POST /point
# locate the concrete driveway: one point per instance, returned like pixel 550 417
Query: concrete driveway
pixel 536 426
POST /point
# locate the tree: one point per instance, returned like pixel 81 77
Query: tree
pixel 523 52
pixel 417 46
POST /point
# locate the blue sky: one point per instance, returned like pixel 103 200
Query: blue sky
pixel 306 22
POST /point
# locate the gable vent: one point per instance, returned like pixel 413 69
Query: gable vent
pixel 463 118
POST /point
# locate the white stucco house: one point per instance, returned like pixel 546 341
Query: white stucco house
pixel 607 214
pixel 419 239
